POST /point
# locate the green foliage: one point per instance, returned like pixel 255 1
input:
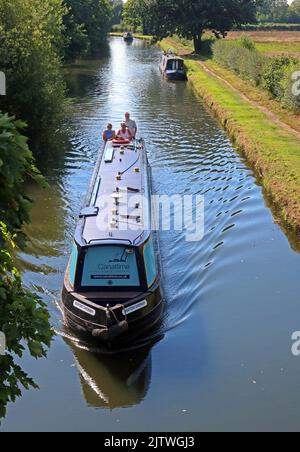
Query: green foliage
pixel 247 43
pixel 94 17
pixel 272 10
pixel 76 38
pixel 31 40
pixel 274 74
pixel 162 18
pixel 240 57
pixel 278 11
pixel 23 317
pixel 117 12
pixel 16 168
pixel 294 11
pixel 291 88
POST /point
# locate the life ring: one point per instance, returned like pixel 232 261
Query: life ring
pixel 121 141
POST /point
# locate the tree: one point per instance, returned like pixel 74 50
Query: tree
pixel 272 11
pixel 23 317
pixel 190 18
pixel 294 12
pixel 95 18
pixel 117 12
pixel 31 42
pixel 76 38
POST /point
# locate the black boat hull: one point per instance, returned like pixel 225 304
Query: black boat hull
pixel 176 77
pixel 109 324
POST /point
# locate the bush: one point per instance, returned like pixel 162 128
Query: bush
pixel 274 74
pixel 291 88
pixel 240 57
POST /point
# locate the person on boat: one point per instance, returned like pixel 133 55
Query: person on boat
pixel 109 134
pixel 124 133
pixel 131 125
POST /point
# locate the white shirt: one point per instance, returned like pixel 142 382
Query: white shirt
pixel 131 126
pixel 124 135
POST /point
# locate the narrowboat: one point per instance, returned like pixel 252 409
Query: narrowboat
pixel 172 67
pixel 112 287
pixel 128 36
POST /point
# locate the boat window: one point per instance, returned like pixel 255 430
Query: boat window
pixel 106 266
pixel 170 65
pixel 73 264
pixel 150 262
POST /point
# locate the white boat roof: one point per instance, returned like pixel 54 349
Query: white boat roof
pixel 120 195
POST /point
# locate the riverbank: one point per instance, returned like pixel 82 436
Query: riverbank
pixel 136 36
pixel 270 145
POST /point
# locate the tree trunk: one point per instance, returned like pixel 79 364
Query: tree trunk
pixel 198 42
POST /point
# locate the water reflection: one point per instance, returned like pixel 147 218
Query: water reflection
pixel 112 381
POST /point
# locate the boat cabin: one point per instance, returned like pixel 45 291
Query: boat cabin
pixel 114 249
pixel 173 67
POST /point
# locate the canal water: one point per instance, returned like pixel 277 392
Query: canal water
pixel 222 359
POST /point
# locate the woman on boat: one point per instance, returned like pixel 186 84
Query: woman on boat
pixel 109 134
pixel 124 133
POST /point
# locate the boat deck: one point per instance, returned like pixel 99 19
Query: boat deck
pixel 118 207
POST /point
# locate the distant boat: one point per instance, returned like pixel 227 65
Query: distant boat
pixel 128 36
pixel 172 67
pixel 112 288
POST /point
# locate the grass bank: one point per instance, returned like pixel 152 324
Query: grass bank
pixel 272 150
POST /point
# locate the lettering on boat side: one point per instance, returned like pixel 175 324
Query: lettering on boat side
pixel 84 308
pixel 2 343
pixel 135 307
pixel 2 84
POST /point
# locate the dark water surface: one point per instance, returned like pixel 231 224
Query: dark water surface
pixel 224 361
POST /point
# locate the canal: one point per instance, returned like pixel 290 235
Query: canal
pixel 222 359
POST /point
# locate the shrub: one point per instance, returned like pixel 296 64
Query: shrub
pixel 246 42
pixel 240 57
pixel 291 88
pixel 274 73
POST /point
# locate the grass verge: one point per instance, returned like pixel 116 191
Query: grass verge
pixel 273 151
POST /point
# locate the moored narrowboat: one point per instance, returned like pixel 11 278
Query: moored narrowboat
pixel 112 287
pixel 128 36
pixel 172 67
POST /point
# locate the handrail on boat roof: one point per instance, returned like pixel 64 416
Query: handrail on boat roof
pixel 110 239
